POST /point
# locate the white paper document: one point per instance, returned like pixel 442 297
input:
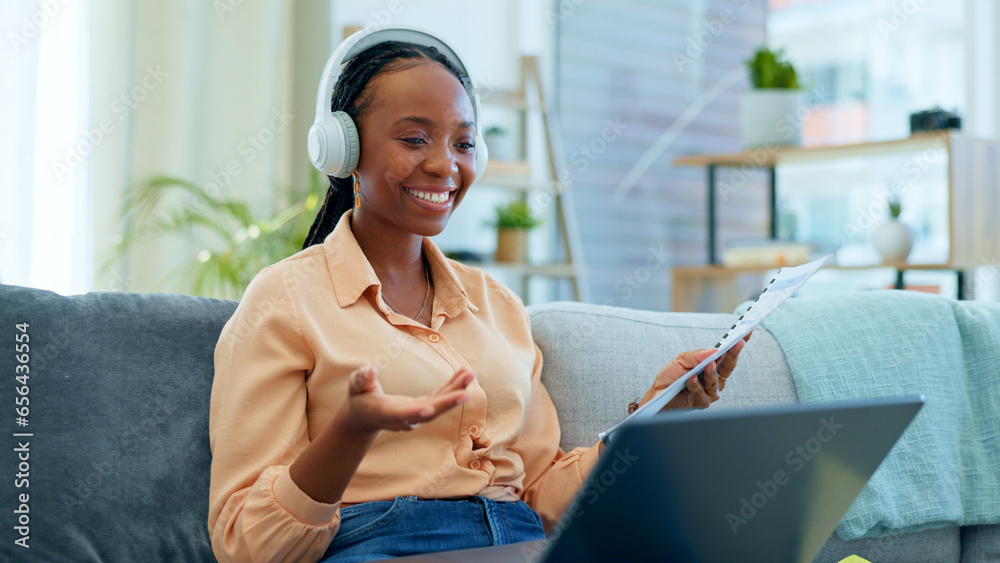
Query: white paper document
pixel 784 284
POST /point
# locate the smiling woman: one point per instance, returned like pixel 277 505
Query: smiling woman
pixel 373 398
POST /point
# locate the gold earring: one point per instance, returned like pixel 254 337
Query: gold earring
pixel 357 189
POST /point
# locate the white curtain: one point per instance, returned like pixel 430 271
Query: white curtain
pixel 44 201
pixel 183 84
pixel 103 94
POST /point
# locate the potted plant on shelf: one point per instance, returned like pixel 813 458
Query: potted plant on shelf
pixel 769 113
pixel 893 239
pixel 513 221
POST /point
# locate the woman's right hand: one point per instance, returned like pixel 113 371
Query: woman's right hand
pixel 369 409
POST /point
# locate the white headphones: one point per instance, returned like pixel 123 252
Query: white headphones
pixel 334 146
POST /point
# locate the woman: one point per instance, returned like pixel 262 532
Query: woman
pixel 367 375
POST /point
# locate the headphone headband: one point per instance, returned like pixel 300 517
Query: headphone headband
pixel 361 41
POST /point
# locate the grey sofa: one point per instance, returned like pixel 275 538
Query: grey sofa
pixel 116 467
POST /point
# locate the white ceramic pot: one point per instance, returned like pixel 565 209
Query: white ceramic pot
pixel 893 240
pixel 499 146
pixel 772 117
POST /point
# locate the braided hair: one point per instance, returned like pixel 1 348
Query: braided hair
pixel 351 95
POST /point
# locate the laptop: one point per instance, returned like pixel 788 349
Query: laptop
pixel 765 484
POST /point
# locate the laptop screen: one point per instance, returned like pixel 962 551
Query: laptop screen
pixel 767 484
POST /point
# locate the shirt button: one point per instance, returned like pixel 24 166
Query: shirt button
pixel 434 337
pixel 474 464
pixel 474 431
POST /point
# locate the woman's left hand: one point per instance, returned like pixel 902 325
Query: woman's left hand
pixel 700 391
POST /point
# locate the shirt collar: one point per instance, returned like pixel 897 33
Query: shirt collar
pixel 352 274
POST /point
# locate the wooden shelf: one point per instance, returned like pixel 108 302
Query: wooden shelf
pixel 719 270
pixel 511 174
pixel 973 199
pixel 508 168
pixel 514 175
pixel 505 98
pixel 897 266
pixel 769 158
pixel 694 287
pixel 552 270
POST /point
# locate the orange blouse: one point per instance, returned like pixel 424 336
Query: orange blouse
pixel 281 368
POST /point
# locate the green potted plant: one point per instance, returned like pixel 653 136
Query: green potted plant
pixel 893 239
pixel 232 241
pixel 770 111
pixel 512 222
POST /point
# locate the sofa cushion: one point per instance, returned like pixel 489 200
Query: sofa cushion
pixel 938 545
pixel 119 392
pixel 980 543
pixel 597 359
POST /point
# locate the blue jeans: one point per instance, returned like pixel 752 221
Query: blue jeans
pixel 408 526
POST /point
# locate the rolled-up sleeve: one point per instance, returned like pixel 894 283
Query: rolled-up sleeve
pixel 552 476
pixel 258 427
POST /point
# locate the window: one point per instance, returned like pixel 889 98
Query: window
pixel 45 227
pixel 873 61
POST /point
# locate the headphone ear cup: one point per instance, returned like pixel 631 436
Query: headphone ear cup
pixel 318 143
pixel 350 148
pixel 482 156
pixel 334 145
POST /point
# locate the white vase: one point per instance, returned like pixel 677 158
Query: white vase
pixel 893 240
pixel 499 146
pixel 771 117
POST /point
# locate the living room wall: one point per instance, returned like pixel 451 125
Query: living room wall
pixel 643 79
